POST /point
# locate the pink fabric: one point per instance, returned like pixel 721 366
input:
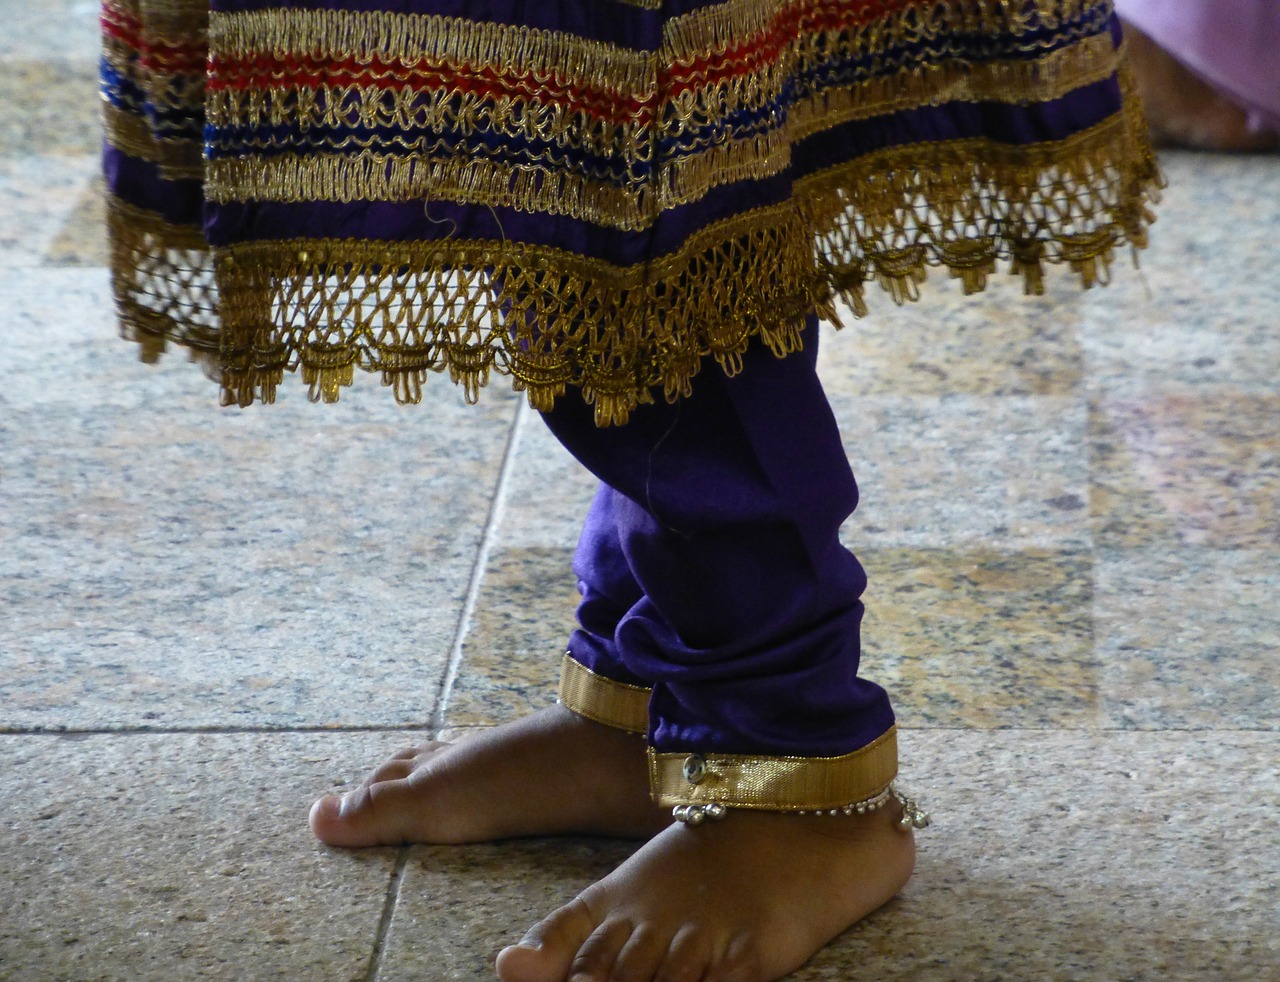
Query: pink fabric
pixel 1233 44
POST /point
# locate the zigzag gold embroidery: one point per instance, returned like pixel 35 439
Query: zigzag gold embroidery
pixel 416 39
pixel 425 167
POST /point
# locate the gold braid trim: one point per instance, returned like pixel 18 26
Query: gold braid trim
pixel 178 159
pixel 774 783
pixel 551 319
pixel 426 39
pixel 723 26
pixel 423 168
pixel 616 704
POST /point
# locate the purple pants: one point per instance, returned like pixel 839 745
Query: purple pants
pixel 711 569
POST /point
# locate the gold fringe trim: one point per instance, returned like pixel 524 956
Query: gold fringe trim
pixel 551 319
pixel 616 704
pixel 162 277
pixel 774 783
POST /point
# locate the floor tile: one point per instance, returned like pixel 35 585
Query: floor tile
pixel 997 343
pixel 1058 856
pixel 1071 856
pixel 1199 469
pixel 49 107
pixel 51 30
pixel 82 239
pixel 166 562
pixel 548 492
pixel 38 195
pixel 982 638
pixel 1189 638
pixel 955 471
pixel 459 906
pixel 511 656
pixel 181 856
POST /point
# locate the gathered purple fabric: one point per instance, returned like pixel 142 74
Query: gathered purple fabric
pixel 1234 45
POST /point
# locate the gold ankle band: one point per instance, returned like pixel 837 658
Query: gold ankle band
pixel 912 816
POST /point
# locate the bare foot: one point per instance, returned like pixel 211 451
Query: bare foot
pixel 746 899
pixel 1182 109
pixel 549 773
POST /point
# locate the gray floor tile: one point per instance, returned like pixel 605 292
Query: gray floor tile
pixel 138 858
pixel 951 472
pixel 1189 638
pixel 166 562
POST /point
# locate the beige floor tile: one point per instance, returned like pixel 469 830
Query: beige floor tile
pixel 49 107
pixel 997 343
pixel 1189 638
pixel 548 493
pixel 982 638
pixel 511 656
pixel 459 906
pixel 82 240
pixel 37 197
pixel 952 472
pixel 51 30
pixel 165 562
pixel 138 858
pixel 1058 856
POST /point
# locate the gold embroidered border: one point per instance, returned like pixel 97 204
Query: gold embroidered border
pixel 325 307
pixel 130 134
pixel 425 39
pixel 616 704
pixel 777 783
pixel 717 27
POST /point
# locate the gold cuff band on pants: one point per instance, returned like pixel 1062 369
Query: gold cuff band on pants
pixel 616 704
pixel 774 783
pixel 732 780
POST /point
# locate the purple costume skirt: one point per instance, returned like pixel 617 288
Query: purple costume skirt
pixel 634 209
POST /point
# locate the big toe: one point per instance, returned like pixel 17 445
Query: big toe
pixel 547 952
pixel 337 820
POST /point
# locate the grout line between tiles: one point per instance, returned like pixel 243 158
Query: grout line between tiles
pixel 477 571
pixel 378 956
pixel 76 734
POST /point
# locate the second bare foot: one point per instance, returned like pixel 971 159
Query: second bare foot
pixel 550 773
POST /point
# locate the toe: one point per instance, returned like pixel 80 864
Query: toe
pixel 741 962
pixel 687 959
pixel 595 959
pixel 374 816
pixel 547 951
pixel 640 956
pixel 325 819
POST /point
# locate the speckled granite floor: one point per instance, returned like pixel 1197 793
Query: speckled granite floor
pixel 1071 513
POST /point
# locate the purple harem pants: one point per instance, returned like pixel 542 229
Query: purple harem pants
pixel 711 569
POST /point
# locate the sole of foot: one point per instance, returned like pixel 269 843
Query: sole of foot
pixel 747 899
pixel 551 773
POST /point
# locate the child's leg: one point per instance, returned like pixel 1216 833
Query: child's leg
pixel 746 627
pixel 726 508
